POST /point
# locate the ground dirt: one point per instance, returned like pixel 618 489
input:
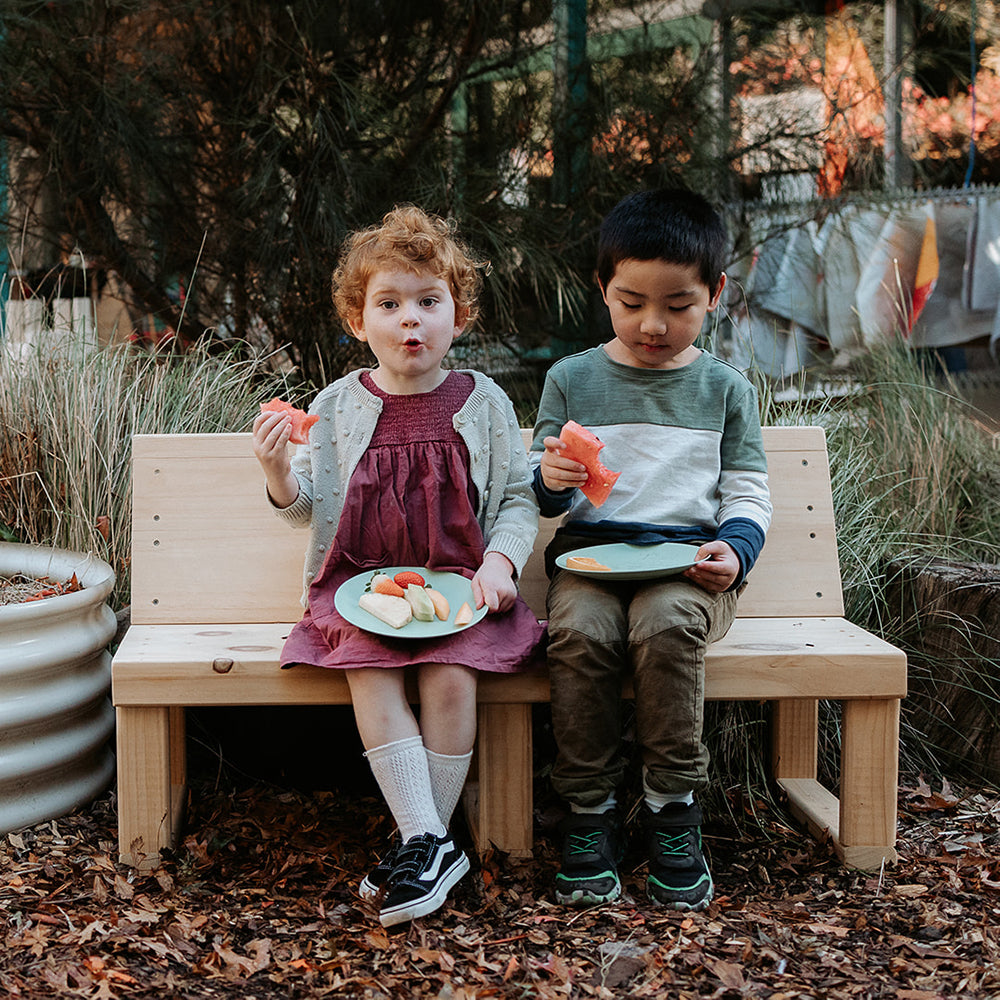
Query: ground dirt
pixel 261 902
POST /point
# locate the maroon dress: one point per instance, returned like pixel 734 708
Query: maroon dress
pixel 411 502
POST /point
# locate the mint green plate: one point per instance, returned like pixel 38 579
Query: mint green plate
pixel 455 587
pixel 634 562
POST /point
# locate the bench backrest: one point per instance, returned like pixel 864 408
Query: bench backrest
pixel 206 548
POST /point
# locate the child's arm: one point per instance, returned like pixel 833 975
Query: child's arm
pixel 271 432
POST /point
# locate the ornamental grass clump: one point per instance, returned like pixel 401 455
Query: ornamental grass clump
pixel 915 480
pixel 68 417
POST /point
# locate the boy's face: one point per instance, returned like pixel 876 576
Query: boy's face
pixel 409 321
pixel 657 310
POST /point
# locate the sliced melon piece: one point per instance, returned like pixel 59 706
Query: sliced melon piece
pixel 423 607
pixel 441 606
pixel 394 611
pixel 464 615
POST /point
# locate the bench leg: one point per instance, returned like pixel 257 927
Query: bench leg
pixel 869 774
pixel 502 806
pixel 795 742
pixel 151 775
pixel 862 823
pixel 794 750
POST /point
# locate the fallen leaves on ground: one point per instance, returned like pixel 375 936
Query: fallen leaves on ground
pixel 261 902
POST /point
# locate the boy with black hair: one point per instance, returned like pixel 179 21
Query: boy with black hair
pixel 683 429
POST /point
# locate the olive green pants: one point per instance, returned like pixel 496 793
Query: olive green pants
pixel 599 632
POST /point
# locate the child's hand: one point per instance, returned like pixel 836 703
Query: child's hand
pixel 560 473
pixel 271 432
pixel 493 584
pixel 717 567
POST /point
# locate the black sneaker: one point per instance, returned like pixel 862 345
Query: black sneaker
pixel 678 874
pixel 592 849
pixel 426 868
pixel 379 875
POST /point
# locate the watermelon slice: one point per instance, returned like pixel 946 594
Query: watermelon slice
pixel 301 421
pixel 582 446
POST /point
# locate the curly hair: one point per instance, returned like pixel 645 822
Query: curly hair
pixel 410 238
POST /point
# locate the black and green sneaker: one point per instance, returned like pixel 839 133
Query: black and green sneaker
pixel 592 849
pixel 678 874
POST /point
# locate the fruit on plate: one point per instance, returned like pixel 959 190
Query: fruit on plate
pixel 582 446
pixel 382 584
pixel 407 576
pixel 441 606
pixel 586 562
pixel 394 611
pixel 423 607
pixel 301 421
pixel 464 615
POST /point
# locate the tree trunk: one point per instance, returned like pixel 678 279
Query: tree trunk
pixel 951 620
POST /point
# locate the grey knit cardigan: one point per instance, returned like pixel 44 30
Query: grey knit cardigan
pixel 348 412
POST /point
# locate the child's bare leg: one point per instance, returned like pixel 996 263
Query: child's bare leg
pixel 394 749
pixel 448 724
pixel 447 707
pixel 380 706
pixel 416 875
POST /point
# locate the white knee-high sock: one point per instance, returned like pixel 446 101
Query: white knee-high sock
pixel 448 774
pixel 401 770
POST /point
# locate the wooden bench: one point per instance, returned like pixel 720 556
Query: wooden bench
pixel 215 585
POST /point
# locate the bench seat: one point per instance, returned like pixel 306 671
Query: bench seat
pixel 214 599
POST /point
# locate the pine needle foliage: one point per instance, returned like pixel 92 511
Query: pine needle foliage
pixel 212 155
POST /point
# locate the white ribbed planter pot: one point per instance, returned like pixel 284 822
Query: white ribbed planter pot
pixel 56 718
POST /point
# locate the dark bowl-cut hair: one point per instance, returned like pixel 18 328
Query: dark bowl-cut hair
pixel 671 224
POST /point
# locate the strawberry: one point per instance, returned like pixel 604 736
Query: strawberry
pixel 381 584
pixel 407 577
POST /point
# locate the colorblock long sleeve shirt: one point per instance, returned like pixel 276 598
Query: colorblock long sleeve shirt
pixel 687 442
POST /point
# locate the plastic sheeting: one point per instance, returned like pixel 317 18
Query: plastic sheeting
pixel 849 281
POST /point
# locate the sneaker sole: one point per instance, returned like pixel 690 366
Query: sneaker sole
pixel 423 905
pixel 367 890
pixel 583 897
pixel 681 904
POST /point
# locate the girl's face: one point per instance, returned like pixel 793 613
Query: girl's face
pixel 409 320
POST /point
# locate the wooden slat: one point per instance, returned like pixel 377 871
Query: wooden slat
pixel 206 546
pixel 504 812
pixel 814 805
pixel 760 658
pixel 868 780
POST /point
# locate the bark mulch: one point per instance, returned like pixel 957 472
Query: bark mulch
pixel 261 903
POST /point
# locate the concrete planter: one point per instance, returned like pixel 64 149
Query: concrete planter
pixel 56 717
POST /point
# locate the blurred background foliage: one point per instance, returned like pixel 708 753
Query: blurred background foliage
pixel 203 161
